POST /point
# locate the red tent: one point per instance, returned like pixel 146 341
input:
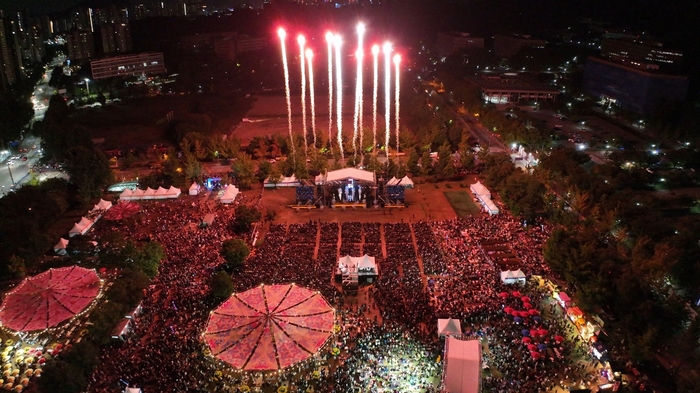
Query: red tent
pixel 542 332
pixel 527 340
pixel 524 314
pixel 515 293
pixel 535 355
pixel 527 305
pixel 531 347
pixel 503 294
pixel 525 299
pixel 508 310
pixel 558 338
pixel 532 311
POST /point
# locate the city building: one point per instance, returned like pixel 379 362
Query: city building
pixel 137 64
pixel 641 53
pixel 509 45
pixel 225 45
pixel 80 45
pixel 454 41
pixel 7 67
pixel 632 88
pixel 116 38
pixel 506 88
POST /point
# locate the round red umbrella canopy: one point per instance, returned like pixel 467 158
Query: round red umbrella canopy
pixel 508 310
pixel 525 299
pixel 503 294
pixel 558 338
pixel 527 340
pixel 524 314
pixel 535 355
pixel 269 327
pixel 515 293
pixel 527 305
pixel 122 210
pixel 532 311
pixel 542 332
pixel 49 298
pixel 531 347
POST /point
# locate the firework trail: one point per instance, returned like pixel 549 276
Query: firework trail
pixel 337 41
pixel 329 40
pixel 309 60
pixel 283 34
pixel 387 94
pixel 397 61
pixel 375 57
pixel 358 85
pixel 302 41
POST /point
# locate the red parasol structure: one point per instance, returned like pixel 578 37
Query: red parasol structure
pixel 532 311
pixel 515 293
pixel 47 299
pixel 558 338
pixel 508 310
pixel 269 327
pixel 527 340
pixel 524 314
pixel 535 355
pixel 122 210
pixel 503 295
pixel 525 299
pixel 531 347
pixel 527 305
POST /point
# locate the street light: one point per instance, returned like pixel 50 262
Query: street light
pixel 87 85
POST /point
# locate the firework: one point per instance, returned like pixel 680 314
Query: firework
pixel 387 94
pixel 337 41
pixel 397 61
pixel 309 60
pixel 283 35
pixel 329 40
pixel 375 58
pixel 302 42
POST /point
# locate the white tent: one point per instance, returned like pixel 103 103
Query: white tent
pixel 102 205
pixel 194 189
pixel 60 247
pixel 367 262
pixel 174 192
pixel 290 181
pixel 449 327
pixel 513 277
pixel 161 193
pixel 480 190
pixel 126 194
pixel 230 194
pixel 406 182
pixel 132 390
pixel 490 207
pixel 462 366
pixel 393 181
pixel 137 194
pixel 149 194
pixel 77 230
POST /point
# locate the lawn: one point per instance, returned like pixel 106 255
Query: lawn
pixel 462 203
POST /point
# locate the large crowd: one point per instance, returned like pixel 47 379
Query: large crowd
pixel 427 270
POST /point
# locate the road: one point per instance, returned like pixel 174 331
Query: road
pixel 14 173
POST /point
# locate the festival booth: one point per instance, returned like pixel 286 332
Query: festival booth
pixel 133 390
pixel 461 366
pixel 449 327
pixel 122 329
pixel 174 192
pixel 346 187
pixel 101 206
pixel 81 228
pixel 361 270
pixel 513 277
pixel 149 193
pixel 229 195
pixel 161 193
pixel 194 189
pixel 126 194
pixel 207 220
pixel 60 247
pixel 406 182
pixel 563 299
pixel 484 196
pixel 290 181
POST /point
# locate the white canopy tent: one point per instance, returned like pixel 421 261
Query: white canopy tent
pixel 174 192
pixel 393 181
pixel 480 190
pixel 290 181
pixel 102 205
pixel 490 207
pixel 77 230
pixel 462 366
pixel 60 247
pixel 149 193
pixel 161 193
pixel 449 327
pixel 230 194
pixel 133 390
pixel 513 277
pixel 345 174
pixel 484 196
pixel 406 182
pixel 126 194
pixel 194 189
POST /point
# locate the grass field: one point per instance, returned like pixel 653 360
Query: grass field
pixel 462 203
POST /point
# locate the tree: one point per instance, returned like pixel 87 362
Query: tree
pixel 449 170
pixel 148 258
pixel 88 169
pixel 412 164
pixel 62 377
pixel 16 266
pixel 193 168
pixel 244 171
pixel 426 163
pixel 221 285
pixel 234 252
pixel 245 217
pixel 275 175
pixel 264 169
